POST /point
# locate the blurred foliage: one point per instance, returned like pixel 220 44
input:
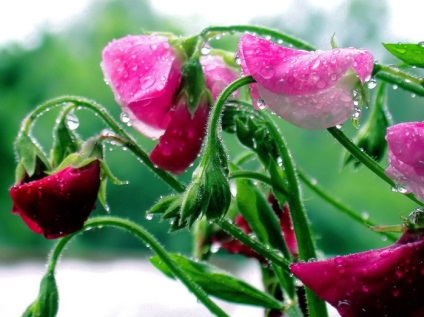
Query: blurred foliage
pixel 68 64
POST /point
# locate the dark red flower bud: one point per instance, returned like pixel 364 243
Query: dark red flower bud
pixel 58 204
pixel 385 282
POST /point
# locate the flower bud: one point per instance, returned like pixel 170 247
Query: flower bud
pixel 58 204
pixel 47 302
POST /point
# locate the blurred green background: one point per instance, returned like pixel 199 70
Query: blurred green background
pixel 67 63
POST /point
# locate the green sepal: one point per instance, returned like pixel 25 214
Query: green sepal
pixel 65 142
pixel 47 302
pixel 187 46
pixel 193 84
pixel 28 151
pixel 192 203
pixel 163 204
pixel 218 283
pixel 411 54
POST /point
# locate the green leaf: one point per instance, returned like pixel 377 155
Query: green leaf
pixel 218 283
pixel 28 151
pixel 163 204
pixel 411 54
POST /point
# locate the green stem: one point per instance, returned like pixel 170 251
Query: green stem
pixel 212 133
pixel 301 226
pixel 212 31
pixel 151 243
pixel 256 246
pixel 130 143
pixel 365 159
pixel 259 177
pixel 398 77
pixel 353 214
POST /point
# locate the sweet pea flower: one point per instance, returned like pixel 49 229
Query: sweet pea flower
pixel 144 72
pixel 406 157
pixel 313 90
pixel 385 282
pixel 58 204
pixel 145 75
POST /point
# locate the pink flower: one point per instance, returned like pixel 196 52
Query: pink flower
pixel 144 72
pixel 385 282
pixel 183 138
pixel 312 90
pixel 406 157
pixel 58 204
pixel 145 75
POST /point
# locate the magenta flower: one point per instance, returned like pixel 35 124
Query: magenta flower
pixel 58 204
pixel 312 90
pixel 183 138
pixel 385 282
pixel 406 157
pixel 145 75
pixel 144 72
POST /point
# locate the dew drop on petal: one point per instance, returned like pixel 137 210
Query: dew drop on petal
pixel 267 72
pixel 147 82
pixel 261 104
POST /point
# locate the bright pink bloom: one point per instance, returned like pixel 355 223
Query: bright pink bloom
pixel 144 72
pixel 385 282
pixel 145 75
pixel 58 204
pixel 312 90
pixel 406 156
pixel 183 138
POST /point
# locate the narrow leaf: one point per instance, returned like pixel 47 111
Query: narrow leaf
pixel 218 283
pixel 411 54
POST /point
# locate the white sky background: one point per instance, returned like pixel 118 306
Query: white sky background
pixel 20 19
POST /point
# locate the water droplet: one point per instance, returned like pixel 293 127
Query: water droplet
pixel 395 87
pixel 237 59
pixel 149 216
pixel 215 247
pixel 336 51
pixel 371 84
pixel 261 104
pixel 147 82
pixel 205 50
pixel 72 121
pixel 267 72
pixel 400 188
pixel 413 95
pixel 408 81
pixel 124 117
pixel 365 215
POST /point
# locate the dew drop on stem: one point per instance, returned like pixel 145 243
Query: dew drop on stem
pixel 72 121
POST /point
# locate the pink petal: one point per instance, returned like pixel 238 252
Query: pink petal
pixel 295 72
pixel 218 75
pixel 144 74
pixel 406 156
pixel 325 109
pixel 183 138
pixel 386 282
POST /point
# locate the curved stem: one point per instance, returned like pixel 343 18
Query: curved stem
pixel 212 133
pixel 214 30
pixel 259 177
pixel 300 221
pixel 353 214
pixel 151 243
pixel 130 143
pixel 365 159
